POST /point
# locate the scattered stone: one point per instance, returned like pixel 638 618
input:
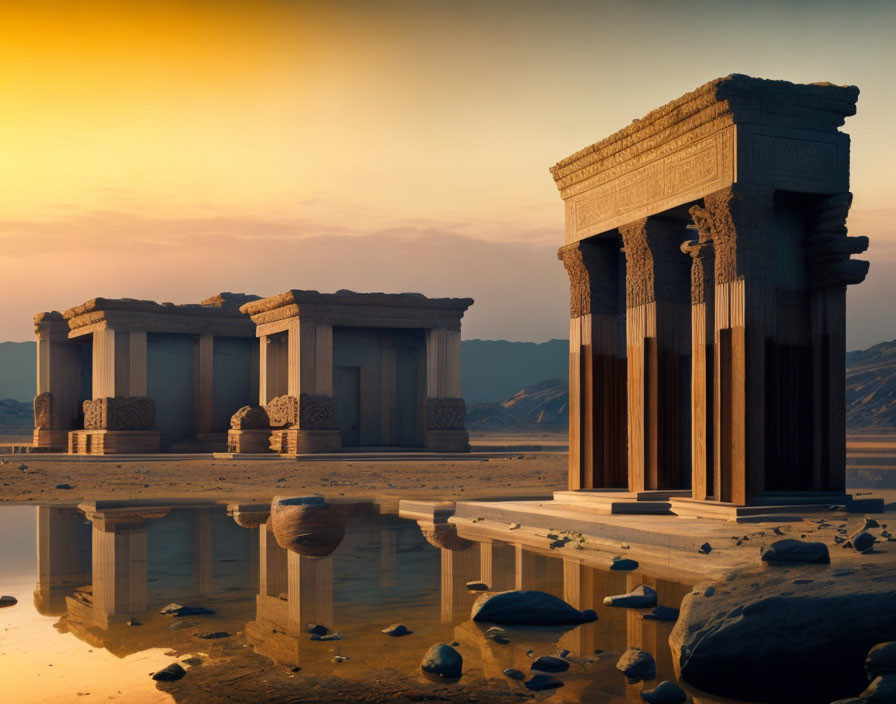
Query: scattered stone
pixel 870 523
pixel 777 530
pixel 839 539
pixel 563 653
pixel 134 622
pixel 214 635
pixel 295 668
pixel 539 683
pixel 170 674
pixel 552 536
pixel 589 615
pixel 641 597
pixel 497 634
pixel 316 629
pixel 189 611
pixel 791 551
pixel 514 526
pixel 514 674
pixel 661 613
pixel 328 636
pixel 709 591
pixel 705 549
pixel 524 608
pixel 548 663
pixel 396 630
pixel 861 541
pixel 477 586
pixel 881 691
pixel 637 665
pixel 623 564
pixel 530 653
pixel 8 601
pixel 665 692
pixel 23 466
pixel 339 658
pixel 881 660
pixel 442 660
pixel 63 486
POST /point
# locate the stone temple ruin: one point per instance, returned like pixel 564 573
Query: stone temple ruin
pixel 708 262
pixel 327 371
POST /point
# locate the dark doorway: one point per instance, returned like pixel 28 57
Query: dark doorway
pixel 347 390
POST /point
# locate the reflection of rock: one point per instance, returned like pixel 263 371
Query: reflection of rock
pixel 443 536
pixel 548 663
pixel 641 597
pixel 665 693
pixel 249 515
pixel 307 525
pixel 819 632
pixel 881 691
pixel 637 665
pixel 169 674
pixel 525 608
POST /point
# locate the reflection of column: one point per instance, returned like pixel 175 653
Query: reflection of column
pixel 702 355
pixel 525 573
pixel 597 367
pixel 579 591
pixel 271 564
pixel 497 565
pixel 388 555
pixel 310 592
pixel 203 548
pixel 62 554
pixel 458 568
pixel 658 319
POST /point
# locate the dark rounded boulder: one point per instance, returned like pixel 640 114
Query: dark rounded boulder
pixel 637 665
pixel 881 660
pixel 169 674
pixel 790 551
pixel 665 693
pixel 442 660
pixel 521 607
pixel 540 683
pixel 548 663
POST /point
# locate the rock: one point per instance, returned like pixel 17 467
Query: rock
pixel 8 601
pixel 316 629
pixel 134 622
pixel 396 630
pixel 623 564
pixel 705 549
pixel 665 693
pixel 589 615
pixel 881 660
pixel 870 523
pixel 881 691
pixel 171 608
pixel 821 632
pixel 328 636
pixel 524 608
pixel 637 665
pixel 63 486
pixel 477 586
pixel 307 525
pixel 861 541
pixel 170 674
pixel 499 635
pixel 640 597
pixel 661 613
pixel 442 660
pixel 514 526
pixel 514 674
pixel 790 551
pixel 188 611
pixel 214 635
pixel 539 683
pixel 548 663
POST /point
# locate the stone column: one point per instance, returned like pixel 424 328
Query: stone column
pixel 445 409
pixel 658 340
pixel 204 383
pixel 828 250
pixel 272 367
pixel 702 354
pixel 310 365
pixel 744 301
pixel 56 403
pixel 597 367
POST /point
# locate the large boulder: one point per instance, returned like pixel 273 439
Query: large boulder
pixel 881 660
pixel 307 525
pixel 881 691
pixel 784 635
pixel 442 660
pixel 521 607
pixel 790 551
pixel 637 665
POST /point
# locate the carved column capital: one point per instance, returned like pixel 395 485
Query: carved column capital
pixel 593 270
pixel 828 247
pixel 654 262
pixel 702 267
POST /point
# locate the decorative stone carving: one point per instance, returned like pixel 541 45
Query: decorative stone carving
pixel 124 413
pixel 250 418
pixel 828 248
pixel 283 411
pixel 318 412
pixel 654 262
pixel 445 413
pixel 702 255
pixel 593 270
pixel 43 411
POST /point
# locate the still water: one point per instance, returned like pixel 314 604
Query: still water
pixel 91 581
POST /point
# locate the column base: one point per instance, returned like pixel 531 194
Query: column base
pixel 112 442
pixel 764 507
pixel 51 439
pixel 294 441
pixel 448 440
pixel 248 441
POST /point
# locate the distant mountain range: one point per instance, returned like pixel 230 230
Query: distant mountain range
pixel 520 386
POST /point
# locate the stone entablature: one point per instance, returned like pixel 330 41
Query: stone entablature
pixel 735 129
pixel 348 308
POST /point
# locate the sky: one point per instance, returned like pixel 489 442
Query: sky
pixel 171 150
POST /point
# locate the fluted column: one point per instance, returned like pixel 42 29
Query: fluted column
pixel 597 369
pixel 658 341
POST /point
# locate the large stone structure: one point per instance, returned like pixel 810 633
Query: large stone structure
pixel 331 371
pixel 708 260
pixel 355 370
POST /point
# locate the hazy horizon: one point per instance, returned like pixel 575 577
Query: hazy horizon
pixel 171 150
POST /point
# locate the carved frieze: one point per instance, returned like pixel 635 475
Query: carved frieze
pixel 318 412
pixel 828 247
pixel 593 268
pixel 250 418
pixel 43 411
pixel 655 268
pixel 123 413
pixel 445 413
pixel 283 411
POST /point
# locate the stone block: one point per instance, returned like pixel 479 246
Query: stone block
pixel 249 441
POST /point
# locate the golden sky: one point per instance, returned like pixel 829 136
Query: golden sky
pixel 169 150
